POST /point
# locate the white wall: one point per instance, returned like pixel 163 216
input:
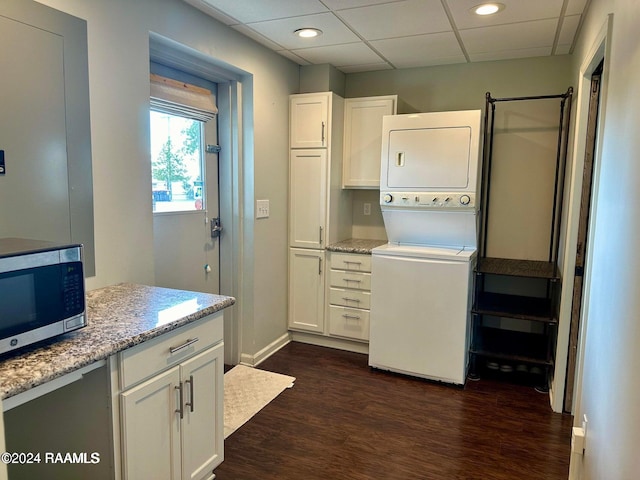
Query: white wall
pixel 610 393
pixel 118 37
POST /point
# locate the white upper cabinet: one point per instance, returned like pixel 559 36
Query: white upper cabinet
pixel 309 124
pixel 363 139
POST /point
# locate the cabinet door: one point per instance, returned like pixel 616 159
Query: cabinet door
pixel 151 429
pixel 306 290
pixel 308 177
pixel 202 426
pixel 309 121
pixel 363 140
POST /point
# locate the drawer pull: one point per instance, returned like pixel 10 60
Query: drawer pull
pixel 352 262
pixel 352 280
pixel 191 395
pixel 180 409
pixel 347 299
pixel 350 317
pixel 186 344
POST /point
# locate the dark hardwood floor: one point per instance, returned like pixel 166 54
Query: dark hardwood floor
pixel 343 420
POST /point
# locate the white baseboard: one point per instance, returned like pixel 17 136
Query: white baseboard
pixel 331 342
pixel 266 352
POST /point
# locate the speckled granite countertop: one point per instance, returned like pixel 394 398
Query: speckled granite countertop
pixel 355 245
pixel 119 317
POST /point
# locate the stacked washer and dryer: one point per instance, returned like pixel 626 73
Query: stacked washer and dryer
pixel 421 280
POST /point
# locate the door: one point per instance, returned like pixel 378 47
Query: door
pixel 583 223
pixel 306 289
pixel 151 429
pixel 309 122
pixel 202 426
pixel 308 198
pixel 186 256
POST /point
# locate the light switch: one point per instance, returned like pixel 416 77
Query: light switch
pixel 262 208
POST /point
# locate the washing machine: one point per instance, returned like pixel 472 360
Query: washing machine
pixel 421 281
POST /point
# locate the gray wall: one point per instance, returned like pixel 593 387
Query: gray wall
pixel 118 38
pixel 456 87
pixel 610 392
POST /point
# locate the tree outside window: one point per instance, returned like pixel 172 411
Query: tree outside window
pixel 176 166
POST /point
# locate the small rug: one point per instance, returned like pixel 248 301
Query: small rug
pixel 248 390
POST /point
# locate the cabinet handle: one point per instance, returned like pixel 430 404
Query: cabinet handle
pixel 180 409
pixel 349 317
pixel 191 395
pixel 319 266
pixel 186 344
pixel 322 133
pixel 347 299
pixel 352 263
pixel 320 234
pixel 347 280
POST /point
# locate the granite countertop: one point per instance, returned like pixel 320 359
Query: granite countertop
pixel 119 317
pixel 356 245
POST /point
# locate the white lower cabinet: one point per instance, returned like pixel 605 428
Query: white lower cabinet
pixel 306 290
pixel 349 295
pixel 171 423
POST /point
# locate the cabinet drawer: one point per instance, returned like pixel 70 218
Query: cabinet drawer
pixel 354 262
pixel 360 281
pixel 349 322
pixel 144 360
pixel 350 298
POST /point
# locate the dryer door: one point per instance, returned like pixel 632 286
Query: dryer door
pixel 432 158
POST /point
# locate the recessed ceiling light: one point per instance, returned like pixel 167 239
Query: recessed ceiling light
pixel 308 32
pixel 487 8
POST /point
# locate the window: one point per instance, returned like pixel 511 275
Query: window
pixel 178 113
pixel 176 163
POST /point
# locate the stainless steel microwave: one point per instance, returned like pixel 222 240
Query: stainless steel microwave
pixel 42 291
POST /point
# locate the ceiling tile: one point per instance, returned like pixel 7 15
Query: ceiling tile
pixel 515 11
pixel 247 11
pixel 344 4
pixel 510 54
pixel 398 19
pixel 540 33
pixel 365 68
pixel 281 31
pixel 575 7
pixel 340 55
pixel 249 32
pixel 293 57
pixel 435 49
pixel 569 29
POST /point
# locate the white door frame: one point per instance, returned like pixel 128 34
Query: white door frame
pixel 600 50
pixel 235 94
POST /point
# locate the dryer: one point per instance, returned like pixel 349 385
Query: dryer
pixel 421 280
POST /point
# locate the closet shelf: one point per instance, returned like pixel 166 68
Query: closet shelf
pixel 514 306
pixel 518 268
pixel 500 344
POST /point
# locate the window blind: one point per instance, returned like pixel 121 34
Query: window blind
pixel 183 99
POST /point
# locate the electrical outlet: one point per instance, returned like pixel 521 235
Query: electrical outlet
pixel 262 208
pixel 367 209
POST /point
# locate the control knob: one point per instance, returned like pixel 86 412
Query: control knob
pixel 387 198
pixel 465 199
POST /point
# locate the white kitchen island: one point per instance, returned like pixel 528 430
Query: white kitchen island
pixel 135 394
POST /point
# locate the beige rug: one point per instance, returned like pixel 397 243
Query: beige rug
pixel 248 390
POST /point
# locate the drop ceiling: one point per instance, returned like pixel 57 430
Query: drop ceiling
pixel 367 35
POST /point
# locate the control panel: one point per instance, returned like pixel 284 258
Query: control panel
pixel 430 200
